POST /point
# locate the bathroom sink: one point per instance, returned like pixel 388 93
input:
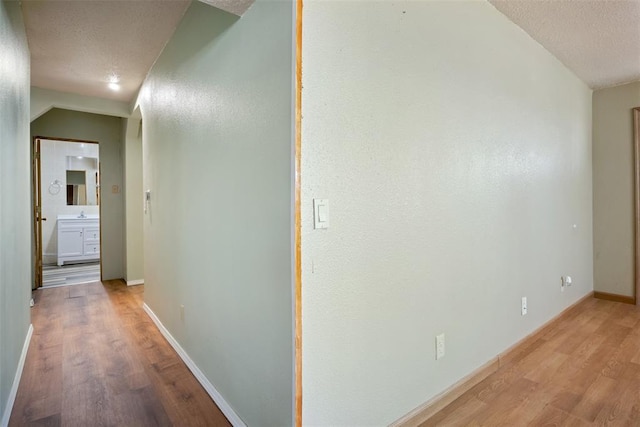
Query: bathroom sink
pixel 76 216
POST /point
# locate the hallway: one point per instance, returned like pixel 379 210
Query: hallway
pixel 97 359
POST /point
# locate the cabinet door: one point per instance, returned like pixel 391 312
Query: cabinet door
pixel 70 242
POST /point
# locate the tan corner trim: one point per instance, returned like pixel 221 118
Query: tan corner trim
pixel 298 218
pixel 425 411
pixel 614 297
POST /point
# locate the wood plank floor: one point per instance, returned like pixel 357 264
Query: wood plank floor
pixel 96 359
pixel 72 274
pixel 584 372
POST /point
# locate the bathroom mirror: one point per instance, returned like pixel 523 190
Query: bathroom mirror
pixel 81 181
pixel 76 187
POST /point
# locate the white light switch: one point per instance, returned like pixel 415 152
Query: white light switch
pixel 320 213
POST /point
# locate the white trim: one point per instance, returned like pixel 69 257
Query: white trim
pixel 226 409
pixel 135 282
pixel 16 380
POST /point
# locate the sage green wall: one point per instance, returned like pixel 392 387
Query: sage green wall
pixel 217 150
pixel 108 131
pixel 15 194
pixel 134 260
pixel 613 210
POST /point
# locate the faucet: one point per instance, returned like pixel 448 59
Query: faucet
pixel 81 215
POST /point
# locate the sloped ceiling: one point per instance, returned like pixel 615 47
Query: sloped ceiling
pixel 599 40
pixel 79 46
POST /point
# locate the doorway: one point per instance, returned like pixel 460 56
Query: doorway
pixel 66 177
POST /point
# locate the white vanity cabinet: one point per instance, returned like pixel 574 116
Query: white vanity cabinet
pixel 78 239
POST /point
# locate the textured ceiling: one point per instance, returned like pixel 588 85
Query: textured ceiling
pixel 599 40
pixel 77 45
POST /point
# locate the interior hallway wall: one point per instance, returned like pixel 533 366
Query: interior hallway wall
pixel 613 211
pixel 134 211
pixel 456 155
pixel 108 131
pixel 15 196
pixel 217 150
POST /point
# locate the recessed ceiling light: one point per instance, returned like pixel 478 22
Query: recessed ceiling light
pixel 113 82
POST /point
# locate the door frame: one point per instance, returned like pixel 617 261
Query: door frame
pixel 298 219
pixel 37 218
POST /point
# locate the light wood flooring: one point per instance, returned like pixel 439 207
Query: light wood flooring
pixel 96 359
pixel 585 371
pixel 73 274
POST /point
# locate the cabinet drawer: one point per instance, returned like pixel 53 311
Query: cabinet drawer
pixel 92 235
pixel 92 249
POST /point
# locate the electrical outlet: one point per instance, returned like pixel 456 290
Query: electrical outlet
pixel 523 308
pixel 182 312
pixel 439 346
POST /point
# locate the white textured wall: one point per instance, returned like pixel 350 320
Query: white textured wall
pixel 217 151
pixel 15 240
pixel 456 155
pixel 613 210
pixel 108 131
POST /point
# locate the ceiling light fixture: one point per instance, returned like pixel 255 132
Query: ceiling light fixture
pixel 114 82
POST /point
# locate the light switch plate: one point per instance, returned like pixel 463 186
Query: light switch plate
pixel 320 213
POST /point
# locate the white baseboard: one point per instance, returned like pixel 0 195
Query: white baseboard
pixel 226 409
pixel 16 380
pixel 135 282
